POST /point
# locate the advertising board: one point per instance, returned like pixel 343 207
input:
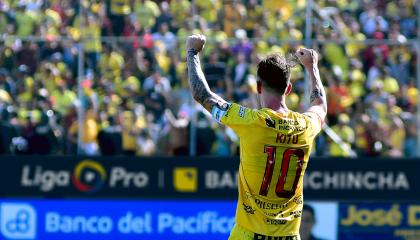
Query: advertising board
pixel 199 178
pixel 379 220
pixel 105 219
pixel 141 219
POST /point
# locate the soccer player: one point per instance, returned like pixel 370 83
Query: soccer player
pixel 275 143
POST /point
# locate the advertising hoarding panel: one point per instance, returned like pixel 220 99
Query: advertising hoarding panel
pixel 379 221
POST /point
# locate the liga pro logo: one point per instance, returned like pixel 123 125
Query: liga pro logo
pixel 88 176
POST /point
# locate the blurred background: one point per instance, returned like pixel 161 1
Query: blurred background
pixel 84 80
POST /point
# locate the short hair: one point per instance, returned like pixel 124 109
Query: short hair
pixel 310 209
pixel 274 72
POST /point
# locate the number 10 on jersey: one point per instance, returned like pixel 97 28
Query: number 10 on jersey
pixel 269 168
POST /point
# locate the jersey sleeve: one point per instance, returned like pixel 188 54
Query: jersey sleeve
pixel 314 123
pixel 234 116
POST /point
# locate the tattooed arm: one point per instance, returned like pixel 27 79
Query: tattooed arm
pixel 318 100
pixel 199 87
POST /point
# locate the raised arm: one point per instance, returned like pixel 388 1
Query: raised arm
pixel 318 100
pixel 199 87
pixel 177 123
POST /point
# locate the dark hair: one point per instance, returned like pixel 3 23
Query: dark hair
pixel 310 209
pixel 274 72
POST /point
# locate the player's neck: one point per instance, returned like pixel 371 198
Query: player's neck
pixel 274 102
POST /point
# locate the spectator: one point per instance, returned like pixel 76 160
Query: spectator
pixel 109 138
pixel 371 21
pixel 378 95
pixel 336 56
pixel 410 143
pixel 407 23
pixel 181 10
pixel 374 83
pixel 147 146
pixel 39 135
pixel 90 33
pixel 338 96
pixel 233 14
pixel 118 10
pixel 390 84
pixel 165 17
pixel 129 133
pixel 157 83
pixel 254 16
pixel 308 222
pixel 205 135
pixel 26 56
pixel 346 133
pixel 155 104
pixel 63 98
pixel 90 134
pixel 6 83
pixel 146 12
pixel 165 36
pixel 209 10
pixel 178 135
pixel 8 131
pixel 4 19
pixel 396 136
pixel 238 77
pixel 215 71
pixel 223 144
pixel 399 70
pixel 111 63
pixel 243 46
pixel 25 20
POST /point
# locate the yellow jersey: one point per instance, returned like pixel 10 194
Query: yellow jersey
pixel 274 152
pixel 120 7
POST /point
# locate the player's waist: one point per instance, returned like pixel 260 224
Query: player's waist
pixel 247 234
pixel 264 237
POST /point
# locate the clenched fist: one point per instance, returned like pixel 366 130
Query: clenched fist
pixel 308 57
pixel 196 42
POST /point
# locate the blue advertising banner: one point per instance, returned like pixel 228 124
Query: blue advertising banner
pixel 105 219
pixel 379 221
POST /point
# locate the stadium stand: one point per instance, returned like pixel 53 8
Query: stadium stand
pixel 135 90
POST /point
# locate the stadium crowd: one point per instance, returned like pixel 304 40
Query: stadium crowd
pixel 135 91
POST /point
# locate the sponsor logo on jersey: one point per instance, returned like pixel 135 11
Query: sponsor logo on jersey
pixel 241 112
pixel 270 122
pixel 248 209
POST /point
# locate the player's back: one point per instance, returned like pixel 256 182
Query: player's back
pixel 274 150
